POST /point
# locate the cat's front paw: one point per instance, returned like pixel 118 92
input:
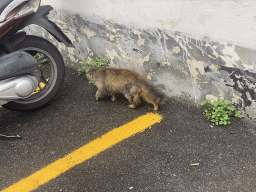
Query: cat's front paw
pixel 113 98
pixel 132 106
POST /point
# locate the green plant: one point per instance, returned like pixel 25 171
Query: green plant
pixel 96 63
pixel 39 56
pixel 219 112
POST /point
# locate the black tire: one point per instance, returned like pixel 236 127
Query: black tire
pixel 51 69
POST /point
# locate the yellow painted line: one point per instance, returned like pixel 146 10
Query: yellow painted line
pixel 84 153
pixel 42 85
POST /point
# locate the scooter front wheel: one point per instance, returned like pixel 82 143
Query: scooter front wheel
pixel 50 69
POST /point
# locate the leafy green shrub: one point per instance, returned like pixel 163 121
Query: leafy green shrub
pixel 39 56
pixel 96 63
pixel 219 112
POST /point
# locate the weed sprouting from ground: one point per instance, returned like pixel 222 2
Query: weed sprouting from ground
pixel 219 112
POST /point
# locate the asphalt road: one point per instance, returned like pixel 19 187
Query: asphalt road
pixel 181 153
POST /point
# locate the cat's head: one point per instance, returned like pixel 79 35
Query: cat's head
pixel 91 73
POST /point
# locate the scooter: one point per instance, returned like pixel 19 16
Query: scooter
pixel 31 68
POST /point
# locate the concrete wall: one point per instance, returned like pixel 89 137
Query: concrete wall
pixel 192 49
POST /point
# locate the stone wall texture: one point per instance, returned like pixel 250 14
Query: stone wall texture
pixel 186 68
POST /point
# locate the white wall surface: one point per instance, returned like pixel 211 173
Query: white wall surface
pixel 233 21
pixel 212 55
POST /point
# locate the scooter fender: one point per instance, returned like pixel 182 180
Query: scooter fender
pixel 40 18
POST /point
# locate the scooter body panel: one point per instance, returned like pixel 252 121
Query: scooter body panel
pixel 16 64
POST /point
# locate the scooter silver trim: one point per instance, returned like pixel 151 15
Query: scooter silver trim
pixel 17 88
